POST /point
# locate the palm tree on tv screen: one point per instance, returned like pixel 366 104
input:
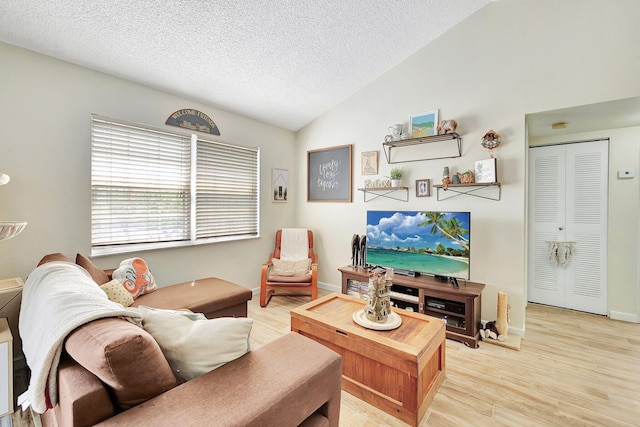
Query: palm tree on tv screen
pixel 450 228
pixel 455 228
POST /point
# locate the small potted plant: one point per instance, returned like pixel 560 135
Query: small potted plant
pixel 395 176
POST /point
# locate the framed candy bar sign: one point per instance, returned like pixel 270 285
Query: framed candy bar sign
pixel 329 174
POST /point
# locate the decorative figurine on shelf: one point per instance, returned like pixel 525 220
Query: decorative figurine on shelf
pixel 466 177
pixel 359 250
pixel 378 304
pixel 491 140
pixel 446 126
pixel 395 131
pixel 455 179
pixel 355 250
pixel 446 180
pixel 362 251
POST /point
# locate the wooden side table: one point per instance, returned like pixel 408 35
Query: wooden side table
pixel 10 301
pixel 10 344
pixel 6 369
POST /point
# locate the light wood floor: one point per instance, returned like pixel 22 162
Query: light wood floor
pixel 573 369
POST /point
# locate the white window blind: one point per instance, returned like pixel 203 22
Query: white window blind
pixel 226 190
pixel 151 188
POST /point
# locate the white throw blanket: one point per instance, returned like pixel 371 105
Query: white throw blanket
pixel 57 298
pixel 294 244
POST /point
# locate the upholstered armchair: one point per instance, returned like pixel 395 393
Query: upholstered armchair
pixel 292 268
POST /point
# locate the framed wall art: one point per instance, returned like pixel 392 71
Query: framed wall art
pixel 486 170
pixel 279 185
pixel 191 119
pixel 369 162
pixel 423 124
pixel 423 187
pixel 329 174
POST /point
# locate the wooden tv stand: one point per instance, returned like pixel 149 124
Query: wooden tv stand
pixel 460 307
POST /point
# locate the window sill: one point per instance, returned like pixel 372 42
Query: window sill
pixel 140 247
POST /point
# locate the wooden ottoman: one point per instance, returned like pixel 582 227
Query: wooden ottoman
pixel 398 371
pixel 211 296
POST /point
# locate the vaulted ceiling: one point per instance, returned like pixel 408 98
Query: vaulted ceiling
pixel 281 62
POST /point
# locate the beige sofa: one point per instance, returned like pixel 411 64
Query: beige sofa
pixel 114 373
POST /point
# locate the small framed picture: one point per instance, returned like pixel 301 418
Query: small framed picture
pixel 369 163
pixel 280 184
pixel 486 170
pixel 423 124
pixel 423 187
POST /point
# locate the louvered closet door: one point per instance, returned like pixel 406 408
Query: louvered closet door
pixel 586 280
pixel 574 210
pixel 546 223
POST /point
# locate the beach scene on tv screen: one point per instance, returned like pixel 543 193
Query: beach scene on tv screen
pixel 421 241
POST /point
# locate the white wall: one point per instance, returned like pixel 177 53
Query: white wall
pixel 45 148
pixel 511 58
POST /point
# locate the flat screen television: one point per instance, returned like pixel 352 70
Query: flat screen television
pixel 424 242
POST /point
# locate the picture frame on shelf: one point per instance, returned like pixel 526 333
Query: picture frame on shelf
pixel 423 124
pixel 369 162
pixel 423 187
pixel 329 174
pixel 486 171
pixel 279 185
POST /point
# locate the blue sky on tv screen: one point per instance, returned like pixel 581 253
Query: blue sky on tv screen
pixel 391 229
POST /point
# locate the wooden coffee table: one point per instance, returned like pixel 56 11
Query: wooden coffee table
pixel 398 371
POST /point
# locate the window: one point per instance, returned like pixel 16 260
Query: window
pixel 151 188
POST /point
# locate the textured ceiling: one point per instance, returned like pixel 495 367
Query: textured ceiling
pixel 281 62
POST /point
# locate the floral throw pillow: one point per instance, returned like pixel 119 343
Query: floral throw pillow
pixel 135 276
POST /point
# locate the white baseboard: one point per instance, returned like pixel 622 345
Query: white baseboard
pixel 330 288
pixel 627 317
pixel 516 331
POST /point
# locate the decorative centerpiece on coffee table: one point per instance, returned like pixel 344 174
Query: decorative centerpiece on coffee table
pixel 377 313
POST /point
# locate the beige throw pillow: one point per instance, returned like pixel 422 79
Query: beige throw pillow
pixel 291 268
pixel 193 344
pixel 117 293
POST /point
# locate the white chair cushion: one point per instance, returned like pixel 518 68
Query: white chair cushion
pixel 291 268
